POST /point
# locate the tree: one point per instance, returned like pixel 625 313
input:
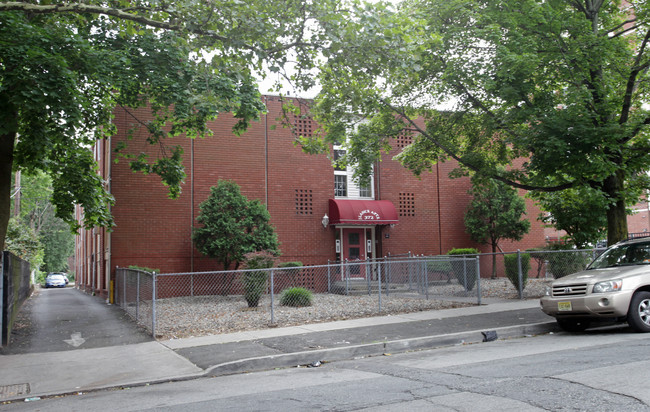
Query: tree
pixel 36 212
pixel 65 67
pixel 553 89
pixel 495 213
pixel 23 242
pixel 58 246
pixel 233 226
pixel 579 212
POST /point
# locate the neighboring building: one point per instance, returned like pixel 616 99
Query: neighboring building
pixel 319 213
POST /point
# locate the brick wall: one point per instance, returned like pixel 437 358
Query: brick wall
pixel 155 231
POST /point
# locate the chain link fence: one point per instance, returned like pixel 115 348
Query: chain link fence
pixel 135 293
pixel 173 305
pixel 187 304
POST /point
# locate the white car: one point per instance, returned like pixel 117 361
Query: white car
pixel 55 280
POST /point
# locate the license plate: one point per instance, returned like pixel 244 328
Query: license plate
pixel 564 306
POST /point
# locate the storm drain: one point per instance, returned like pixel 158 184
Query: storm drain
pixel 9 391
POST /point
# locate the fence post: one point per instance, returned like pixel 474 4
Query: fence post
pixel 379 287
pixel 520 274
pixel 192 284
pixel 347 277
pixel 153 305
pixel 465 273
pixel 272 289
pixel 368 280
pixel 137 297
pixel 426 277
pixel 478 279
pixel 329 277
pixel 124 289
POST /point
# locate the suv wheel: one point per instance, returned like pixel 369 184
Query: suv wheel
pixel 573 325
pixel 638 316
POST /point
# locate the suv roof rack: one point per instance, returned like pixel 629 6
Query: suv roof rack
pixel 632 236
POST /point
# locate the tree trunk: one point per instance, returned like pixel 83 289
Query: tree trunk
pixel 616 215
pixel 9 127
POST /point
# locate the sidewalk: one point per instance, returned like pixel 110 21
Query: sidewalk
pixel 70 372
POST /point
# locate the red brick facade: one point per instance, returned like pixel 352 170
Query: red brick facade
pixel 155 231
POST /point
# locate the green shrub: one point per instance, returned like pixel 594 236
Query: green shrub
pixel 144 269
pixel 289 271
pixel 562 260
pixel 439 266
pixel 290 264
pixel 296 297
pixel 255 281
pixel 512 269
pixel 465 272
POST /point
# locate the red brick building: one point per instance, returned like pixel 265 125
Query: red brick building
pixel 398 213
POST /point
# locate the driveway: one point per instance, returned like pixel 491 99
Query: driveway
pixel 68 319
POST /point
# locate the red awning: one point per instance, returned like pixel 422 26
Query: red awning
pixel 362 212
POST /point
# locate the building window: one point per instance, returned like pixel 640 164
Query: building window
pixel 364 189
pixel 337 155
pixel 407 204
pixel 304 202
pixel 340 185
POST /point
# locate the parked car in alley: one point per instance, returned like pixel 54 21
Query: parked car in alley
pixel 56 280
pixel 614 287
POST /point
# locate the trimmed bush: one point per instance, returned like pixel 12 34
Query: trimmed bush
pixel 290 264
pixel 296 297
pixel 291 273
pixel 144 269
pixel 512 269
pixel 439 266
pixel 465 272
pixel 255 281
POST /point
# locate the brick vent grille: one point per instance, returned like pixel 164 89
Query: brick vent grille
pixel 403 139
pixel 304 202
pixel 407 204
pixel 304 126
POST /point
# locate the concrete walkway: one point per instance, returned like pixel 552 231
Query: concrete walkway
pixel 36 375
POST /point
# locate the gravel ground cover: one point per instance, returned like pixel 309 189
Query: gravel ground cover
pixel 200 316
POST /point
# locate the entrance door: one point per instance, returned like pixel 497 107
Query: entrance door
pixel 354 249
pixel 354 244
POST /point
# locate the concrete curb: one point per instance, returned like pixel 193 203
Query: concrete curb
pixel 374 349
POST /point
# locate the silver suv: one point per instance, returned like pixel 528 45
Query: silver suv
pixel 614 287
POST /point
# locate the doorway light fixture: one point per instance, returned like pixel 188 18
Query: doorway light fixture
pixel 325 221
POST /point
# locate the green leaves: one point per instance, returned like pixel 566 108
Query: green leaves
pixel 495 213
pixel 174 67
pixel 233 226
pixel 553 91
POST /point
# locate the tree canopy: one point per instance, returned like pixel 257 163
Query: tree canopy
pixel 553 90
pixel 233 226
pixel 65 67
